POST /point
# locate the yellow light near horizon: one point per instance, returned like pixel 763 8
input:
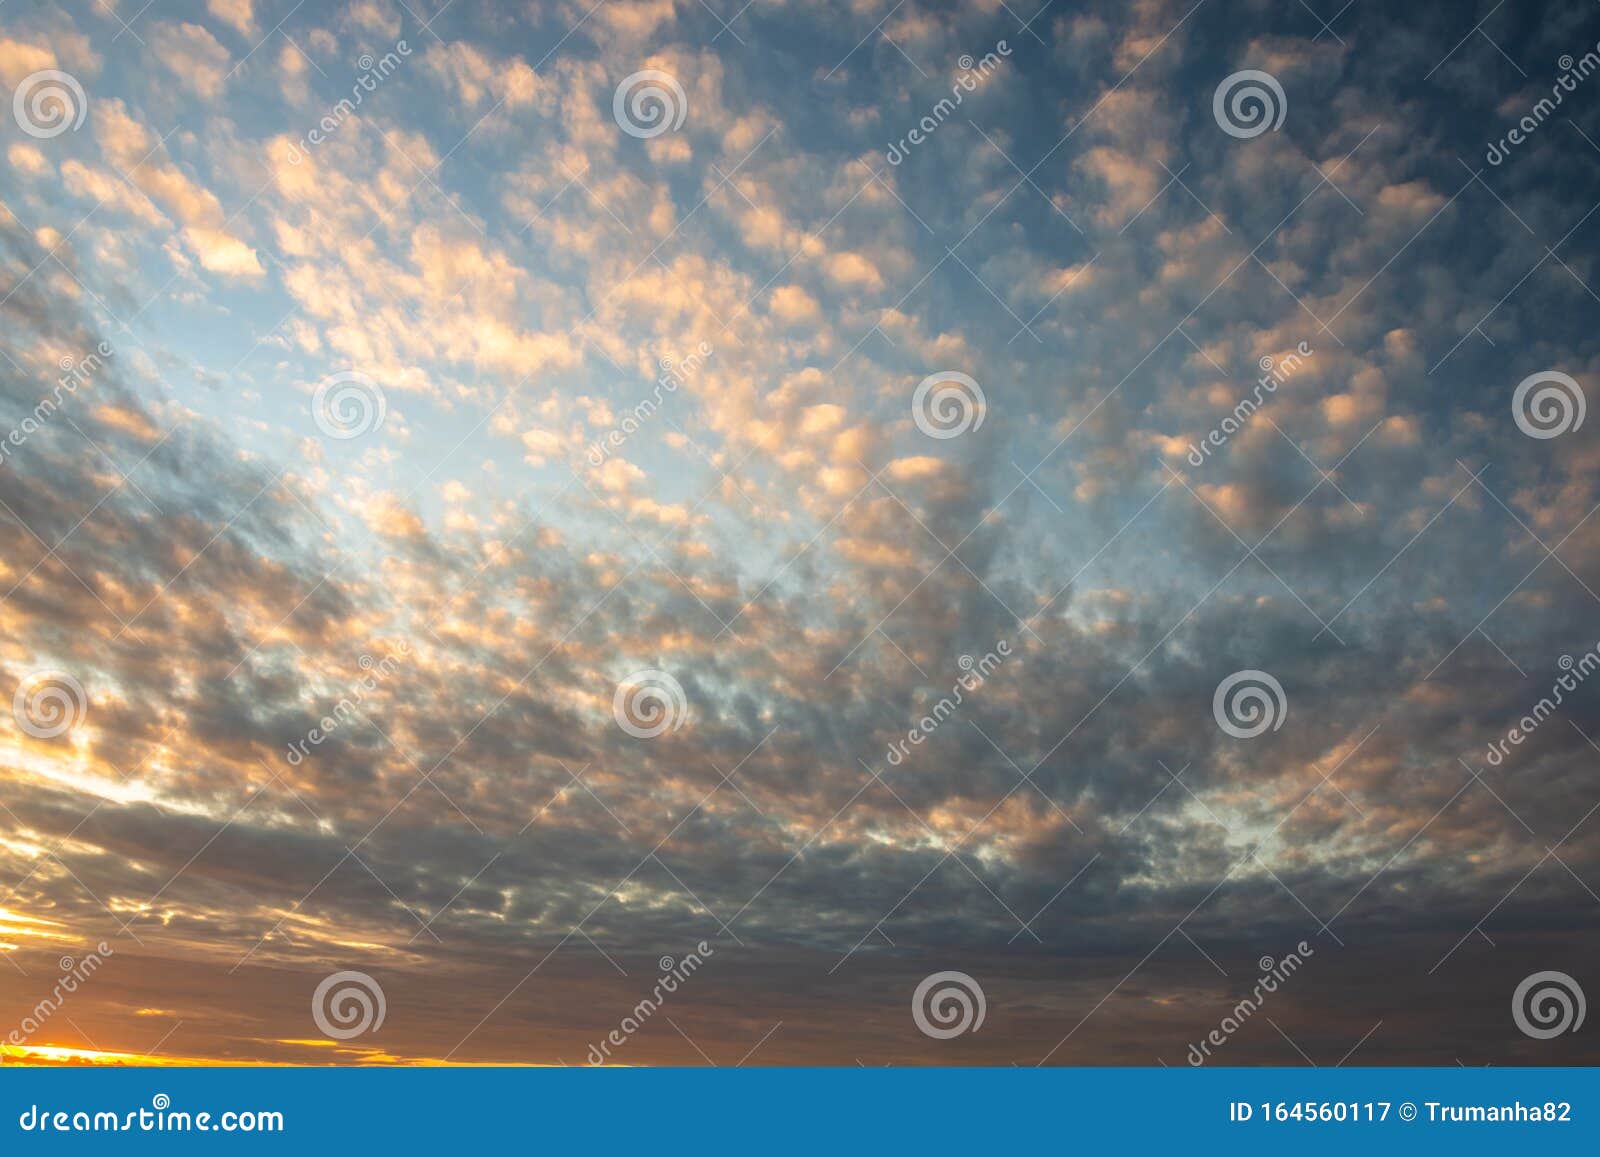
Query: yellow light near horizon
pixel 54 1055
pixel 61 1054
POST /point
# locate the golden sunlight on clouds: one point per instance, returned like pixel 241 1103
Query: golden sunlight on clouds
pixel 14 924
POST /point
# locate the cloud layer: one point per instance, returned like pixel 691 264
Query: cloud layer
pixel 383 396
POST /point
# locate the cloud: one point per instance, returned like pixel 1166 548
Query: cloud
pixel 238 15
pixel 192 55
pixel 134 151
pixel 18 60
pixel 478 78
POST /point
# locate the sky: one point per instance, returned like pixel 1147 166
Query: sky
pixel 818 532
